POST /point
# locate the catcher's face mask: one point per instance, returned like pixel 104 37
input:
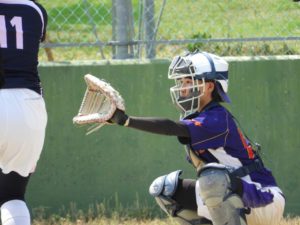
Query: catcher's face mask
pixel 198 66
pixel 187 91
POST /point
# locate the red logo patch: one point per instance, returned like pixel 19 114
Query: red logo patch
pixel 196 123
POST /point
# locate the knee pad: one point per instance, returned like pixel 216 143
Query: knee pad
pixel 162 189
pixel 224 206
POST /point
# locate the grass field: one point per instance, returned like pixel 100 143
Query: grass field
pixel 108 213
pixel 120 221
pixel 69 23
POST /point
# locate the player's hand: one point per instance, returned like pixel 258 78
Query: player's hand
pixel 119 117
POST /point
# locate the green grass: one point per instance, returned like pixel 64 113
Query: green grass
pixel 130 221
pixel 114 213
pixel 104 214
pixel 189 19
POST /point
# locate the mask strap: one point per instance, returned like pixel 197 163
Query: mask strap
pixel 212 65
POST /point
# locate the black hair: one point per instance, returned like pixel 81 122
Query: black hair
pixel 215 95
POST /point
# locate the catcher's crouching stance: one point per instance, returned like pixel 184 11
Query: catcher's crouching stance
pixel 232 186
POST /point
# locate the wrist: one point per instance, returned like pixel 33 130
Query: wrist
pixel 126 124
pixel 123 119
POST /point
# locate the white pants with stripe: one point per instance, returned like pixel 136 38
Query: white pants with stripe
pixel 270 214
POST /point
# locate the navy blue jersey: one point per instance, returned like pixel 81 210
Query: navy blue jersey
pixel 22 28
pixel 215 137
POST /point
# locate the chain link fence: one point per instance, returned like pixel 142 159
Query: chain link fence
pixel 122 29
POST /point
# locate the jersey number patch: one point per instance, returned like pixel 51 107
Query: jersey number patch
pixel 16 23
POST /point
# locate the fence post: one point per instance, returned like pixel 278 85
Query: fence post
pixel 149 25
pixel 122 28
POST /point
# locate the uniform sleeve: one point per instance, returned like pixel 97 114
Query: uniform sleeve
pixel 45 16
pixel 159 126
pixel 208 130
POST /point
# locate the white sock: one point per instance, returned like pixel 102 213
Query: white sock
pixel 15 212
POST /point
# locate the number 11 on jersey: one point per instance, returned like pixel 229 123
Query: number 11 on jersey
pixel 15 22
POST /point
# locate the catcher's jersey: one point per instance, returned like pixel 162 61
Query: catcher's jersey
pixel 22 27
pixel 215 137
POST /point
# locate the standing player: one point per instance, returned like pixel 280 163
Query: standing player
pixel 23 115
pixel 1 71
pixel 232 186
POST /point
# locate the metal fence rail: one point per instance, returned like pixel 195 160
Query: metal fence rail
pixel 122 29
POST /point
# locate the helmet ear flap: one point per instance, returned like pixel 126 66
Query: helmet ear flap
pixel 217 71
pixel 221 92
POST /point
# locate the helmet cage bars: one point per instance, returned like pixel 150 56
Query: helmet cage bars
pixel 189 104
pixel 182 67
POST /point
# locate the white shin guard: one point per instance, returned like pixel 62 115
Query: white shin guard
pixel 15 212
pixel 224 206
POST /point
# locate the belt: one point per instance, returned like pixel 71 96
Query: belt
pixel 243 171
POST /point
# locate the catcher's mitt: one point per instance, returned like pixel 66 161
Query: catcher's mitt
pixel 99 103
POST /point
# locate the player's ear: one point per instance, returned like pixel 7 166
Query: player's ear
pixel 210 86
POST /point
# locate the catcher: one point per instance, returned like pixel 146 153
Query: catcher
pixel 233 186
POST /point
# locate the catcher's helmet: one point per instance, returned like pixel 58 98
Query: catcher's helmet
pixel 198 66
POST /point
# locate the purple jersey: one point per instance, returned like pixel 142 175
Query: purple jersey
pixel 22 27
pixel 215 137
